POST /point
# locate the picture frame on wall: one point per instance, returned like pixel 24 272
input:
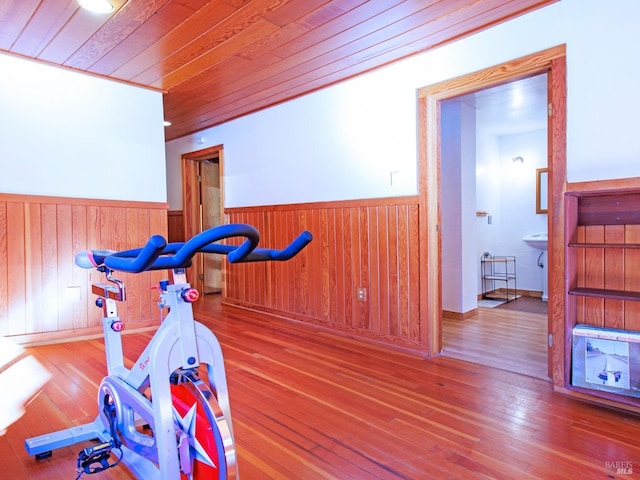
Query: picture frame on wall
pixel 606 360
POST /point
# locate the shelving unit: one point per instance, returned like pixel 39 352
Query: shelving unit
pixel 602 261
pixel 498 271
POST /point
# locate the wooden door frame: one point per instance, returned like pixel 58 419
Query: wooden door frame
pixel 552 62
pixel 191 207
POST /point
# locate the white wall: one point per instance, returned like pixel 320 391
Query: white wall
pixel 603 74
pixel 73 135
pixel 507 191
pixel 452 206
pixel 458 207
pixel 343 142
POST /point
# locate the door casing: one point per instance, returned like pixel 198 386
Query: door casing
pixel 191 204
pixel 552 61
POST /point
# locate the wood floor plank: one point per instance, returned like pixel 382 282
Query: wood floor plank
pixel 505 339
pixel 307 404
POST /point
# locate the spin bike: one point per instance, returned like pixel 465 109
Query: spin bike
pixel 159 417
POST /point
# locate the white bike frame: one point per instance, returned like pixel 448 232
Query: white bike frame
pixel 180 343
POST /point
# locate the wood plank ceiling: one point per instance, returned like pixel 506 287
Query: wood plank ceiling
pixel 217 60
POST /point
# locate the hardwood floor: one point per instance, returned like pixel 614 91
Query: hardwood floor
pixel 507 339
pixel 308 404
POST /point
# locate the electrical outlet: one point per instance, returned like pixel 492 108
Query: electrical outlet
pixel 361 294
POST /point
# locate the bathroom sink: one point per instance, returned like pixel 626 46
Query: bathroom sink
pixel 537 240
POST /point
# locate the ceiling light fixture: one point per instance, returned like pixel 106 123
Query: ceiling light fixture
pixel 96 6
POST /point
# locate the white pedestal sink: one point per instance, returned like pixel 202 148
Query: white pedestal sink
pixel 539 242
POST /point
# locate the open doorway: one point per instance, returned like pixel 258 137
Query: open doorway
pixel 493 141
pixel 210 216
pixel 493 144
pixel 203 207
pixel 550 63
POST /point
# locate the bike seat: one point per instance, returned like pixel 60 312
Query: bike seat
pixel 92 258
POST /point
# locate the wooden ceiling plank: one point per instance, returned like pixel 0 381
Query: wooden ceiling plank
pixel 319 79
pixel 314 58
pixel 260 50
pixel 329 12
pixel 276 67
pixel 295 10
pixel 150 32
pixel 226 83
pixel 78 29
pixel 362 48
pixel 47 20
pixel 199 23
pixel 235 23
pixel 328 75
pixel 406 32
pixel 14 17
pixel 292 23
pixel 236 3
pixel 264 46
pixel 126 21
pixel 293 30
pixel 334 30
pixel 210 78
pixel 233 46
pixel 395 22
pixel 316 80
pixel 267 68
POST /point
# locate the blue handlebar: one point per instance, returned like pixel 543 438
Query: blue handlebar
pixel 140 262
pixel 158 255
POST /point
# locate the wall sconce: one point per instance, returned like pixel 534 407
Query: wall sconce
pixel 518 159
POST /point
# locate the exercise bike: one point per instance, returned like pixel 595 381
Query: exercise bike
pixel 160 418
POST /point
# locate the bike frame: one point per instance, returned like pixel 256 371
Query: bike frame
pixel 183 407
pixel 180 343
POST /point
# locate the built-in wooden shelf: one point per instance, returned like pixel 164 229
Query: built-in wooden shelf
pixel 605 293
pixel 591 263
pixel 603 245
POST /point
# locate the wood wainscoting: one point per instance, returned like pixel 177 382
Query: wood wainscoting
pixel 175 226
pixel 365 244
pixel 43 295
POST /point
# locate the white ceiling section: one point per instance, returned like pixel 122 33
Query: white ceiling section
pixel 516 107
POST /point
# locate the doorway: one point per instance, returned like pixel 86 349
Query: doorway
pixel 493 144
pixel 210 216
pixel 550 62
pixel 203 207
pixel 493 141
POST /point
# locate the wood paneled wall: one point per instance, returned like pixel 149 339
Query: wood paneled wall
pixel 608 268
pixel 43 294
pixel 175 227
pixel 371 244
